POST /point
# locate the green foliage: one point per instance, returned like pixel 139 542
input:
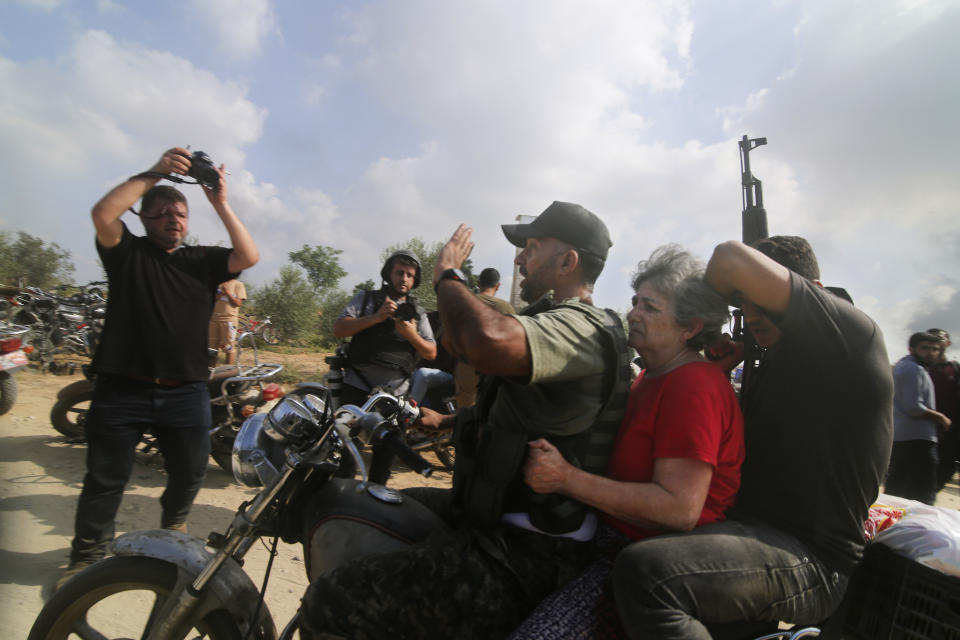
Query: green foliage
pixel 39 264
pixel 366 285
pixel 290 302
pixel 331 306
pixel 322 265
pixel 427 252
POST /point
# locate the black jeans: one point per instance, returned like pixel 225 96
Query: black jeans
pixel 913 470
pixel 121 410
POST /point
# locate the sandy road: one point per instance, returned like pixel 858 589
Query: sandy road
pixel 40 479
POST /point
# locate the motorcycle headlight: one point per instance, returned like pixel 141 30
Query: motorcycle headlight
pixel 316 405
pixel 257 458
pixel 290 422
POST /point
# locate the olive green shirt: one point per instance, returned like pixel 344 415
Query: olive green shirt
pixel 565 392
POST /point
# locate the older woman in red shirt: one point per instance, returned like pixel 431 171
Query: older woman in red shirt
pixel 676 462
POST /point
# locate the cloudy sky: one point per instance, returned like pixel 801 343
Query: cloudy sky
pixel 361 124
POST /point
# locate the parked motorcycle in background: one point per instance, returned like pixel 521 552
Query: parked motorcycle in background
pixel 67 326
pixel 12 358
pixel 172 583
pixel 236 392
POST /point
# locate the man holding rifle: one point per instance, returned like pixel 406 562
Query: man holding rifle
pixel 818 431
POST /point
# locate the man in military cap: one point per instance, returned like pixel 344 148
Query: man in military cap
pixel 559 371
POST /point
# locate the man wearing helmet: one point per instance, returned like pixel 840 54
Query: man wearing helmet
pixel 389 331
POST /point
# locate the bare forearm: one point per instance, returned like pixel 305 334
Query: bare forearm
pixel 122 197
pixel 495 344
pixel 425 348
pixel 645 504
pixel 736 267
pixel 245 253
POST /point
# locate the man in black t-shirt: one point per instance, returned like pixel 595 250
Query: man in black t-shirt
pixel 151 364
pixel 818 430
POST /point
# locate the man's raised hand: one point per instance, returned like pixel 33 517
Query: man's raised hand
pixel 175 160
pixel 454 253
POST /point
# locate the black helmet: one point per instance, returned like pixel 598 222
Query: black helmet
pixel 388 266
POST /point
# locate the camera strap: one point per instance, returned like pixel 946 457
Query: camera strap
pixel 156 174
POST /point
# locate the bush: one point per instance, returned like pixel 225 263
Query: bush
pixel 291 304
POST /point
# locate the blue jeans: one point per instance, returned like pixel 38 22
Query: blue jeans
pixel 678 585
pixel 121 410
pixel 425 379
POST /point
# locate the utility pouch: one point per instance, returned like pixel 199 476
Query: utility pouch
pixel 500 454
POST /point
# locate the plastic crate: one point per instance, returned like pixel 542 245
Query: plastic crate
pixel 893 597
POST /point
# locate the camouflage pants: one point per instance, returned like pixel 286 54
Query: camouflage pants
pixel 460 583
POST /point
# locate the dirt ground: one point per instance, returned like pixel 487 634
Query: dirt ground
pixel 40 479
pixel 41 476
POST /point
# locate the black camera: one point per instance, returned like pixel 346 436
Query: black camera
pixel 405 311
pixel 204 171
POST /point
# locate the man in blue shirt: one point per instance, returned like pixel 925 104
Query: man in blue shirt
pixel 914 461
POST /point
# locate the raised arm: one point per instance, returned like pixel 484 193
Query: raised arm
pixel 735 267
pixel 245 253
pixel 495 344
pixel 106 213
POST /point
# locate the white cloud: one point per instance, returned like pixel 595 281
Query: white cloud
pixel 241 25
pixel 109 108
pixel 43 5
pixel 865 121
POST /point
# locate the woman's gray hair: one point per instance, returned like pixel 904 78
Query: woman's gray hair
pixel 674 272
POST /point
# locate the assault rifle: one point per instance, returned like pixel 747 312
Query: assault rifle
pixel 754 227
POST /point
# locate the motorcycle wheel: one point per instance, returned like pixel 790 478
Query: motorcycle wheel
pixel 269 334
pixel 69 415
pixel 136 588
pixel 8 391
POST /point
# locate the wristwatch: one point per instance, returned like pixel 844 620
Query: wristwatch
pixel 450 274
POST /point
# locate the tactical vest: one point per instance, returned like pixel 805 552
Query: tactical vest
pixel 380 344
pixel 487 470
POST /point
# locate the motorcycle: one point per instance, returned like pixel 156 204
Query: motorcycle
pixel 293 453
pixel 236 392
pixel 12 358
pixel 441 399
pixel 62 325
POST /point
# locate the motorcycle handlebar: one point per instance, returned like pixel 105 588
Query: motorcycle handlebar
pixel 411 458
pixel 381 433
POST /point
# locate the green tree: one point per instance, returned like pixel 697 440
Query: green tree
pixel 366 285
pixel 291 303
pixel 322 265
pixel 331 306
pixel 37 263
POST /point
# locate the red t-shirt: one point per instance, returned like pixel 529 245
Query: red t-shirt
pixel 690 412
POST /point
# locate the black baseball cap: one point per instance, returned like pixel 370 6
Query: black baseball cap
pixel 568 222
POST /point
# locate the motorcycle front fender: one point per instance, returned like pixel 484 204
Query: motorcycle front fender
pixel 230 588
pixel 75 388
